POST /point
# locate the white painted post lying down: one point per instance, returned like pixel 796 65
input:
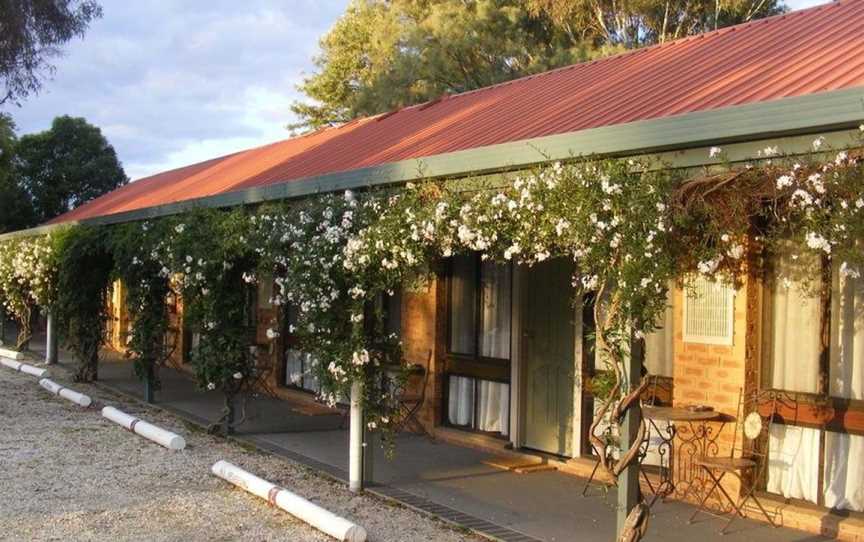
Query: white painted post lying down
pixel 66 393
pixel 170 440
pixel 323 520
pixel 23 367
pixel 11 354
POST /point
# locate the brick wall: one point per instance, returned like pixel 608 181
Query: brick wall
pixel 421 344
pixel 715 375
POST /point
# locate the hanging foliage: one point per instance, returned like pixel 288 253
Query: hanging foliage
pixel 28 270
pixel 150 344
pixel 85 267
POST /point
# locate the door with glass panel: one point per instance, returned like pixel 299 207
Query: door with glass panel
pixel 548 339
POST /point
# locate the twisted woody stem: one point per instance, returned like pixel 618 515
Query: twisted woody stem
pixel 616 403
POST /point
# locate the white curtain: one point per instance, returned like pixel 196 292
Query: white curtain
pixel 294 367
pixel 298 370
pixel 463 293
pixel 844 471
pixel 493 407
pixel 659 353
pixel 460 408
pixel 844 454
pixel 793 461
pixel 495 307
pixel 847 338
pixel 794 323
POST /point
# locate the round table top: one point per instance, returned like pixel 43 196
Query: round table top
pixel 680 414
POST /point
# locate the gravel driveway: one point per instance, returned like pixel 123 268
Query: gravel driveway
pixel 68 474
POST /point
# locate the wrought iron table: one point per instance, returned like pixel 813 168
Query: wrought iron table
pixel 696 437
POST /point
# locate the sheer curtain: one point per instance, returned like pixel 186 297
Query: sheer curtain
pixel 293 368
pixel 462 304
pixel 659 344
pixel 494 407
pixel 794 324
pixel 495 307
pixel 460 408
pixel 793 461
pixel 844 454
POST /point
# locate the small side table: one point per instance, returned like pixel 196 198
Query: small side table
pixel 696 437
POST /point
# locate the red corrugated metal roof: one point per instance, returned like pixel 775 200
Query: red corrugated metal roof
pixel 804 52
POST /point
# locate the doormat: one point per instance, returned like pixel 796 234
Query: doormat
pixel 521 465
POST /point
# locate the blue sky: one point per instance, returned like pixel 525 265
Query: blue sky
pixel 171 84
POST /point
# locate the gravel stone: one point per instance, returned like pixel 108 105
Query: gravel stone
pixel 66 473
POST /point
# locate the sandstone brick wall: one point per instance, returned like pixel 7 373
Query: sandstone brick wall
pixel 715 375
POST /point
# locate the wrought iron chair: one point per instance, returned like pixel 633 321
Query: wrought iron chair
pixel 746 462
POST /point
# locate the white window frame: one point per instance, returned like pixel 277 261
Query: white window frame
pixel 725 340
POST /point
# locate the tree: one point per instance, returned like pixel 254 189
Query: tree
pixel 66 166
pixel 646 22
pixel 16 209
pixel 32 32
pixel 385 54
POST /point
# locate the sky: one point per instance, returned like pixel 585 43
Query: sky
pixel 174 82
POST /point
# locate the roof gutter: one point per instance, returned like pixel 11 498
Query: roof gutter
pixel 814 113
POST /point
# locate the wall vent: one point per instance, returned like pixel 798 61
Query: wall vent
pixel 709 312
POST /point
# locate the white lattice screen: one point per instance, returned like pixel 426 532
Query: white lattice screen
pixel 709 309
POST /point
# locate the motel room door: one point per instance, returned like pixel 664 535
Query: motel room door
pixel 549 332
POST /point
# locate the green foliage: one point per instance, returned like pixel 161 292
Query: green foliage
pixel 66 166
pixel 646 22
pixel 146 294
pixel 28 269
pixel 382 55
pixel 33 31
pixel 385 54
pixel 16 209
pixel 85 268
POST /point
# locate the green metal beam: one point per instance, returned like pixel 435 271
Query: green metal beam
pixel 811 114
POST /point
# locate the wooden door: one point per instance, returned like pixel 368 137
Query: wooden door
pixel 548 338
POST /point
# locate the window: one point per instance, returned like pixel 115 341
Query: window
pixel 659 344
pixel 479 327
pixel 480 308
pixel 298 365
pixel 708 312
pixel 794 317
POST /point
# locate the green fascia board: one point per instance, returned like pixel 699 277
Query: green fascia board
pixel 811 114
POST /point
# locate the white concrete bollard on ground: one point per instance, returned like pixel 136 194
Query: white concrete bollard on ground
pixel 66 393
pixel 23 367
pixel 11 354
pixel 170 440
pixel 323 520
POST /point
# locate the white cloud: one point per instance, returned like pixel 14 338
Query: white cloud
pixel 171 85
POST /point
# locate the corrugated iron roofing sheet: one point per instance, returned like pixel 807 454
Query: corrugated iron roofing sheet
pixel 804 52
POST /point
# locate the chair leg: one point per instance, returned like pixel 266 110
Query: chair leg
pixel 590 479
pixel 739 509
pixel 708 493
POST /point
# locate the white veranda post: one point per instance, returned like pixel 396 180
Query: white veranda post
pixel 355 446
pixel 51 339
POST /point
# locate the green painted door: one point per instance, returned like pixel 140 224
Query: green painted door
pixel 548 335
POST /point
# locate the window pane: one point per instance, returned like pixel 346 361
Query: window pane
pixel 659 344
pixel 460 410
pixel 793 321
pixel 393 317
pixel 493 407
pixel 847 338
pixel 495 304
pixel 793 461
pixel 293 368
pixel 844 471
pixel 463 308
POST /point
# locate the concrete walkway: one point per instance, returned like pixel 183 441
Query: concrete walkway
pixel 542 505
pixel 440 478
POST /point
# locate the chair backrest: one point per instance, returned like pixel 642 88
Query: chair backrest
pixel 756 413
